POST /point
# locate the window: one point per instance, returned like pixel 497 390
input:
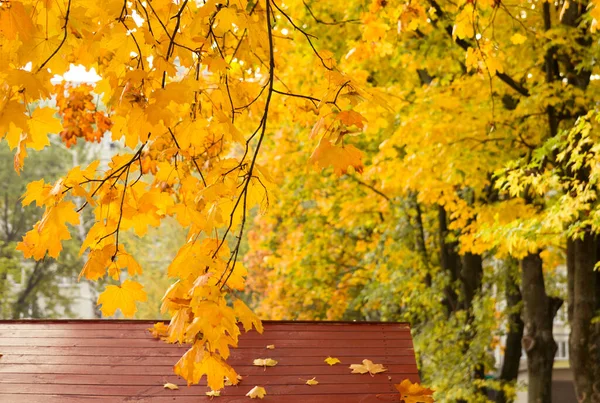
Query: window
pixel 563 350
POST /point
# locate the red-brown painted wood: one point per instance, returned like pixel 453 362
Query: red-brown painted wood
pixel 177 351
pixel 153 380
pixel 296 388
pixel 290 343
pixel 341 398
pixel 162 360
pixel 251 335
pixel 279 369
pixel 118 361
pixel 144 324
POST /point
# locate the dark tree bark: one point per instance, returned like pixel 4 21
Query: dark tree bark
pixel 570 277
pixel 420 240
pixel 512 352
pixel 538 341
pixel 582 253
pixel 584 340
pixel 449 261
pixel 465 273
pixel 471 276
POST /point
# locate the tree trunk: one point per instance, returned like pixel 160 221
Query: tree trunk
pixel 584 340
pixel 512 352
pixel 449 261
pixel 471 275
pixel 420 241
pixel 538 342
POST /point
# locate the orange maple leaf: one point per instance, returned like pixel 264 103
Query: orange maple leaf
pixel 351 118
pixel 340 158
pixel 414 393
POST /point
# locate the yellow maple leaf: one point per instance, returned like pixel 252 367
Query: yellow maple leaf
pixel 367 366
pixel 213 393
pixel 257 392
pixel 171 386
pixel 312 382
pixel 16 21
pixel 332 360
pixel 42 123
pixel 414 393
pixel 246 316
pixel 12 120
pixel 97 261
pixel 121 297
pixel 47 234
pixel 185 367
pixel 463 27
pixel 125 260
pixel 216 371
pixel 264 362
pixel 236 278
pixel 518 39
pixel 191 258
pixel 271 347
pixel 177 326
pixel 37 191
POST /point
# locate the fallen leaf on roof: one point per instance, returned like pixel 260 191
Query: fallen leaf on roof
pixel 271 347
pixel 265 362
pixel 159 330
pixel 213 393
pixel 257 392
pixel 414 393
pixel 332 360
pixel 171 386
pixel 367 366
pixel 312 382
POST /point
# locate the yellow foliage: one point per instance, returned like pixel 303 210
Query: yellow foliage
pixel 48 233
pixel 123 297
pixel 416 107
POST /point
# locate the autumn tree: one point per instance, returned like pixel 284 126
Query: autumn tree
pixel 430 111
pixel 479 89
pixel 192 89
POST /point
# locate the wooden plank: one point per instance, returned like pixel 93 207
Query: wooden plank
pixel 236 358
pixel 290 343
pixel 342 398
pixel 175 351
pixel 244 370
pixel 143 334
pixel 158 390
pixel 142 325
pixel 118 361
pixel 150 380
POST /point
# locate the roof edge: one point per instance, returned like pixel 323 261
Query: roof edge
pixel 148 321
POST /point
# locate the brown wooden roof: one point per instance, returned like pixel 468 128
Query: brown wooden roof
pixel 118 361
